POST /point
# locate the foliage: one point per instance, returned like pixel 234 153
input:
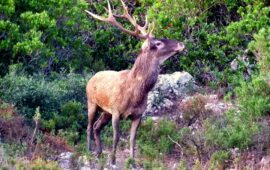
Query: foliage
pixel 47 47
pixel 194 108
pixel 218 159
pixel 214 32
pixel 48 93
pixel 45 35
pixel 60 98
pixel 56 35
pixel 38 164
pixel 237 127
pixel 253 98
pixel 261 47
pixel 12 125
pixel 149 134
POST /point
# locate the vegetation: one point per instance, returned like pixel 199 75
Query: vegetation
pixel 49 49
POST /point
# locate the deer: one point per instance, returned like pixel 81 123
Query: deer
pixel 120 95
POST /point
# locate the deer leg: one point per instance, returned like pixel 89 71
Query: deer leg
pixel 98 126
pixel 116 135
pixel 91 118
pixel 134 126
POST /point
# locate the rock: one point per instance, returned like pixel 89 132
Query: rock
pixel 242 62
pixel 65 160
pixel 169 87
pixel 218 107
pixel 84 163
pixel 265 163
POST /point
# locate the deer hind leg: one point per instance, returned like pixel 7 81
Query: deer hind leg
pixel 98 126
pixel 116 135
pixel 92 108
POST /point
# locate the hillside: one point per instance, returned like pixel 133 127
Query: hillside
pixel 207 64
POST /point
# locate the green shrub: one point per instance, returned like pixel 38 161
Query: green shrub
pixel 236 127
pixel 234 39
pixel 71 116
pixel 49 93
pixel 214 33
pixel 37 164
pixel 254 97
pixel 60 97
pixel 261 48
pixel 150 164
pixel 182 165
pixel 230 131
pixel 218 160
pixel 153 138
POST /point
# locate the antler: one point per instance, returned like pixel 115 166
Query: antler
pixel 140 31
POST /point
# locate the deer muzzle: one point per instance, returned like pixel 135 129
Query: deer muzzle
pixel 180 47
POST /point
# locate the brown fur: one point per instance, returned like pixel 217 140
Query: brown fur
pixel 124 94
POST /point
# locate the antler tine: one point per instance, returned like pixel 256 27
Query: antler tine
pixel 110 9
pixel 142 29
pixel 96 16
pixel 126 15
pixel 151 30
pixel 111 19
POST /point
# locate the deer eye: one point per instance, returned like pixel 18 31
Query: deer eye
pixel 158 43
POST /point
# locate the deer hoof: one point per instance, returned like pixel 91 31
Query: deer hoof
pixel 114 166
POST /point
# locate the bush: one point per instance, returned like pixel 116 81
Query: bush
pixel 237 127
pixel 12 125
pixel 47 92
pixel 61 98
pixel 193 108
pixel 38 164
pixel 218 159
pixel 215 33
pixel 70 117
pixel 261 48
pixel 153 139
pixel 12 159
pixel 254 98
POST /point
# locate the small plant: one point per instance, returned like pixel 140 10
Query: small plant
pixel 194 108
pixel 129 163
pixel 102 161
pixel 152 164
pixel 37 117
pixel 218 160
pixel 13 127
pixel 153 138
pixel 37 164
pixel 182 165
pixel 197 165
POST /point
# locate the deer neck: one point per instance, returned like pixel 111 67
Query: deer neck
pixel 144 72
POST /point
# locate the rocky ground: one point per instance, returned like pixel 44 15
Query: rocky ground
pixel 173 99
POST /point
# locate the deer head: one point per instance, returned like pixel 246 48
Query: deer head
pixel 162 49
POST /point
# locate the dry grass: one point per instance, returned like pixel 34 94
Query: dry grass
pixel 12 126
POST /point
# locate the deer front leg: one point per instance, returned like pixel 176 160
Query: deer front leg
pixel 91 118
pixel 134 126
pixel 116 135
pixel 98 126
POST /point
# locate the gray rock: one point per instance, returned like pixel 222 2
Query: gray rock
pixel 65 160
pixel 84 163
pixel 167 89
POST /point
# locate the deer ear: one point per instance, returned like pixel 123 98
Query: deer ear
pixel 152 44
pixel 149 43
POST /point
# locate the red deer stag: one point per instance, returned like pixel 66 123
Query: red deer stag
pixel 123 94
